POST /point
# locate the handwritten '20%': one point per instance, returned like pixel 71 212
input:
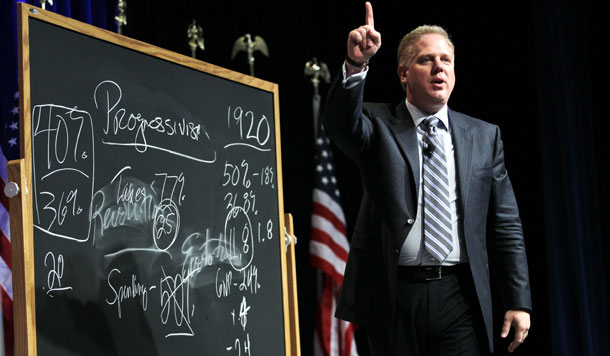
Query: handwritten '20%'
pixel 56 273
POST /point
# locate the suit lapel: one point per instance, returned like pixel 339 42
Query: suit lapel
pixel 405 135
pixel 462 141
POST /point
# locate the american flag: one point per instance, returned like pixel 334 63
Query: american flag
pixel 328 250
pixel 9 149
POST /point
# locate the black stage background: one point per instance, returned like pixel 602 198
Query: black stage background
pixel 532 68
pixel 535 69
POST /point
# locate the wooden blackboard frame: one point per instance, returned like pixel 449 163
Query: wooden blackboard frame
pixel 20 171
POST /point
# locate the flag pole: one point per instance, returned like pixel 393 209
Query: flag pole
pixel 328 246
pixel 316 71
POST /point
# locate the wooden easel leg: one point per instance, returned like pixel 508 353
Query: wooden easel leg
pixel 22 251
pixel 295 341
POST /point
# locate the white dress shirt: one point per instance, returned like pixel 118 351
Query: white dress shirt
pixel 413 252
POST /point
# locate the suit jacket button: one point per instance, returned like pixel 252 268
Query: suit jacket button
pixel 410 221
pixel 397 252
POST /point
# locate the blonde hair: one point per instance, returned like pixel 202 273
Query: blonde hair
pixel 406 52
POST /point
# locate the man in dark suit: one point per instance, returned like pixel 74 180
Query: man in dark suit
pixel 438 210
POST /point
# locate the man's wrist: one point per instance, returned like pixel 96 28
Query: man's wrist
pixel 361 65
pixel 352 76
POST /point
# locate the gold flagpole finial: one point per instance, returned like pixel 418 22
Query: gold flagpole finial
pixel 245 43
pixel 316 71
pixel 121 18
pixel 43 3
pixel 195 36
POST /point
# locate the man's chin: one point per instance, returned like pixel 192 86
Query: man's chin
pixel 438 99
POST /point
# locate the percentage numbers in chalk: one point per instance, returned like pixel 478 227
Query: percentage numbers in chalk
pixel 237 175
pixel 247 202
pixel 57 129
pixel 56 273
pixel 267 176
pixel 62 207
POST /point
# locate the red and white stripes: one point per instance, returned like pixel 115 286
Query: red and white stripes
pixel 6 275
pixel 328 253
pixel 328 246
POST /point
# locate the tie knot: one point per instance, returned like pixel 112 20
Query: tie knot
pixel 430 124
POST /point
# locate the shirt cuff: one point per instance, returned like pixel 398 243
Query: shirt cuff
pixel 354 79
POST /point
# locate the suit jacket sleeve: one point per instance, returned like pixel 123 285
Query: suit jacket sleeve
pixel 505 236
pixel 344 121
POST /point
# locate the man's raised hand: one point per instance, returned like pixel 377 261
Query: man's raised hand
pixel 363 42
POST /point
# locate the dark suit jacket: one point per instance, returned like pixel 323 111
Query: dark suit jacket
pixel 382 140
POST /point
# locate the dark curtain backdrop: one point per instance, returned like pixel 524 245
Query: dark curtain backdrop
pixel 574 175
pixel 535 69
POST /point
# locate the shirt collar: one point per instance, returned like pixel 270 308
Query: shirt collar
pixel 419 116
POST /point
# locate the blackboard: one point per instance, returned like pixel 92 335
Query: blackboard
pixel 156 198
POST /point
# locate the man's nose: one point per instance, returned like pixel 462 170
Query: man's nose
pixel 439 66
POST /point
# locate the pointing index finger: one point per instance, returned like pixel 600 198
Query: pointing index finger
pixel 369 14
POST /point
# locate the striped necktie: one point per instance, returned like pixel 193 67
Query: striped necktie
pixel 438 237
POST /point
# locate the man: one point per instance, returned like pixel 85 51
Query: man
pixel 438 210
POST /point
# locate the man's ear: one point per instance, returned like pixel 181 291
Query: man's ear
pixel 402 74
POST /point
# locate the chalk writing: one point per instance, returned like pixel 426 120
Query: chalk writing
pixel 243 313
pixel 166 224
pixel 138 207
pixel 62 138
pixel 246 202
pixel 253 132
pixel 124 202
pixel 200 252
pixel 233 172
pixel 249 280
pixel 223 284
pixel 107 97
pixel 130 291
pixel 237 346
pixel 56 273
pixel 172 187
pixel 238 230
pixel 175 295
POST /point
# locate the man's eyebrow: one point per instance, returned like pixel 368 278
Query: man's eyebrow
pixel 432 55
